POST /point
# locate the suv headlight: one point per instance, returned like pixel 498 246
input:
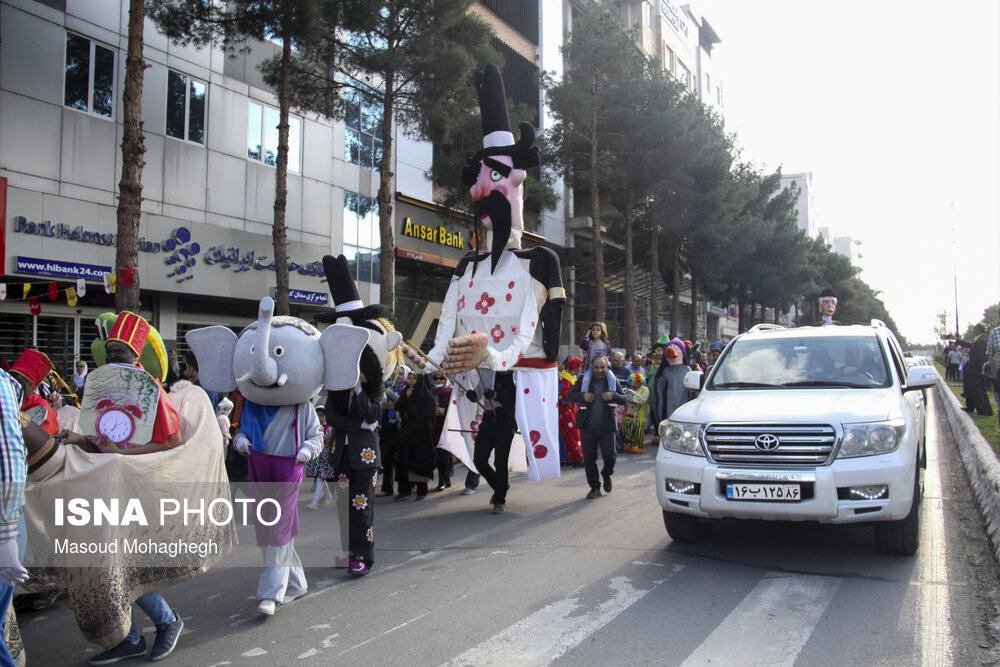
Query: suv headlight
pixel 680 437
pixel 871 439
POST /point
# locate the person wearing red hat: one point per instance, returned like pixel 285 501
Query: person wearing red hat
pixel 30 370
pixel 569 433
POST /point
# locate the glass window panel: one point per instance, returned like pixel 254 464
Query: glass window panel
pixel 254 114
pixel 377 156
pixel 351 255
pixel 369 116
pixel 196 112
pixel 376 269
pixel 176 93
pixel 373 224
pixel 104 80
pixel 77 71
pixel 270 136
pixel 364 265
pixel 352 118
pixel 352 146
pixel 294 143
pixel 350 217
pixel 365 158
pixel 364 225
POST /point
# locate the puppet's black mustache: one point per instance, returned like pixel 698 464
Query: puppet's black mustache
pixel 495 205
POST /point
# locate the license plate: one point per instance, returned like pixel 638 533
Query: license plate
pixel 788 493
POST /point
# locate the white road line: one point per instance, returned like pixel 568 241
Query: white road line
pixel 552 631
pixel 933 632
pixel 771 625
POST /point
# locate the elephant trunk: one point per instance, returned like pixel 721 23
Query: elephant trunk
pixel 263 367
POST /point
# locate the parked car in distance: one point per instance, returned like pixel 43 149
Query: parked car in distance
pixel 808 424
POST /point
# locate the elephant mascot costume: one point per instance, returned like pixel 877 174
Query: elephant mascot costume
pixel 278 363
pixel 354 412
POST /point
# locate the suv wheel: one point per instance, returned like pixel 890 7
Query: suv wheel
pixel 686 528
pixel 901 538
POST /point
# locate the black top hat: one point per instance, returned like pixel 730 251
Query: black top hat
pixel 497 137
pixel 828 292
pixel 346 301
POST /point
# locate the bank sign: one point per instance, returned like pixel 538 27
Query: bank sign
pixel 178 257
pixel 439 235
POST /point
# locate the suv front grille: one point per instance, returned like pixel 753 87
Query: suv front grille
pixel 798 444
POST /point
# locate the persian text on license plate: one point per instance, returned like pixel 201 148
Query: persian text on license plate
pixel 772 492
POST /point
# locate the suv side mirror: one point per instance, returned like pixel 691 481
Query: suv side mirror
pixel 920 377
pixel 692 380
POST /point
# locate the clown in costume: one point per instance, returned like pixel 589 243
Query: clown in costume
pixel 29 370
pixel 569 433
pixel 634 422
pixel 354 413
pixel 503 308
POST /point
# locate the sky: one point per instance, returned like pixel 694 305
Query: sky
pixel 894 106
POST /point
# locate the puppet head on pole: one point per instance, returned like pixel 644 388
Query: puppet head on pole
pixel 495 175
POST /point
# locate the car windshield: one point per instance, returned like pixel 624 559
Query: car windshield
pixel 814 361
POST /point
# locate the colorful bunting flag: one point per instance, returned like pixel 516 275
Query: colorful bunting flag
pixel 3 291
pixel 81 287
pixel 126 275
pixel 71 296
pixel 27 288
pixel 109 283
pixel 53 291
pixel 34 306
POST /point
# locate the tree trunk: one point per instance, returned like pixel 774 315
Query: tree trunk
pixel 675 299
pixel 387 244
pixel 740 316
pixel 600 298
pixel 693 322
pixel 631 344
pixel 654 271
pixel 278 231
pixel 133 148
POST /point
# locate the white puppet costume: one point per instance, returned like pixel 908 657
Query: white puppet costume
pixel 512 296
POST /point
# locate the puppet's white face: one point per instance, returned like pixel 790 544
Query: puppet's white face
pixel 497 174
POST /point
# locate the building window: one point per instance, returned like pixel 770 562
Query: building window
pixel 651 14
pixel 361 236
pixel 684 74
pixel 262 136
pixel 363 137
pixel 185 107
pixel 90 76
pixel 708 83
pixel 668 58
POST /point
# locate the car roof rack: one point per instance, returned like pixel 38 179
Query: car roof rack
pixel 879 323
pixel 765 327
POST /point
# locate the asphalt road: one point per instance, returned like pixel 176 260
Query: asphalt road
pixel 561 579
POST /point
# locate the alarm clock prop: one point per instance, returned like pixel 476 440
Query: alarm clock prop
pixel 119 405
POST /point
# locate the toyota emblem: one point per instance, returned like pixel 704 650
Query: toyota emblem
pixel 766 442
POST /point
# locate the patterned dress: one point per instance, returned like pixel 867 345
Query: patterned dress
pixel 634 422
pixel 320 466
pixel 569 434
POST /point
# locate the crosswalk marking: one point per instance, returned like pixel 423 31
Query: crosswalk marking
pixel 771 625
pixel 548 633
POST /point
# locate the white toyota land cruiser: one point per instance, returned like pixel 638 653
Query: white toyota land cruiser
pixel 809 424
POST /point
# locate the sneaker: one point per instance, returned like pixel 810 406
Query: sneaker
pixel 46 599
pixel 123 651
pixel 382 494
pixel 357 567
pixel 498 508
pixel 310 506
pixel 166 638
pixel 420 496
pixel 294 596
pixel 594 493
pixel 467 491
pixel 267 607
pixel 400 497
pixel 607 483
pixel 439 488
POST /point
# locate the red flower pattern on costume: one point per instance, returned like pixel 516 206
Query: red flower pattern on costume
pixel 513 330
pixel 461 303
pixel 497 333
pixel 485 303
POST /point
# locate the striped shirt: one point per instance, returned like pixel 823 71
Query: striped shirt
pixel 13 457
pixel 993 342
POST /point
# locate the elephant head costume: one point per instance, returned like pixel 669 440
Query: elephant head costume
pixel 278 360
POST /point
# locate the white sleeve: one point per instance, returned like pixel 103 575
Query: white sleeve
pixel 445 328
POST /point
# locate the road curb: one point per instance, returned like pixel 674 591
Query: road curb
pixel 979 461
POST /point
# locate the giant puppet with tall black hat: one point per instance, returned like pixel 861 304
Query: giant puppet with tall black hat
pixel 501 318
pixel 354 413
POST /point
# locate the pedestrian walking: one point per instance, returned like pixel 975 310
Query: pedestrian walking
pixel 597 393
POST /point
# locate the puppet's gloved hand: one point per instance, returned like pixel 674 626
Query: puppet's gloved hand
pixel 11 571
pixel 241 444
pixel 305 455
pixel 472 396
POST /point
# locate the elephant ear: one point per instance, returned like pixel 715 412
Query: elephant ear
pixel 214 347
pixel 342 345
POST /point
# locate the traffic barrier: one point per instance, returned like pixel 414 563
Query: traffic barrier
pixel 978 459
